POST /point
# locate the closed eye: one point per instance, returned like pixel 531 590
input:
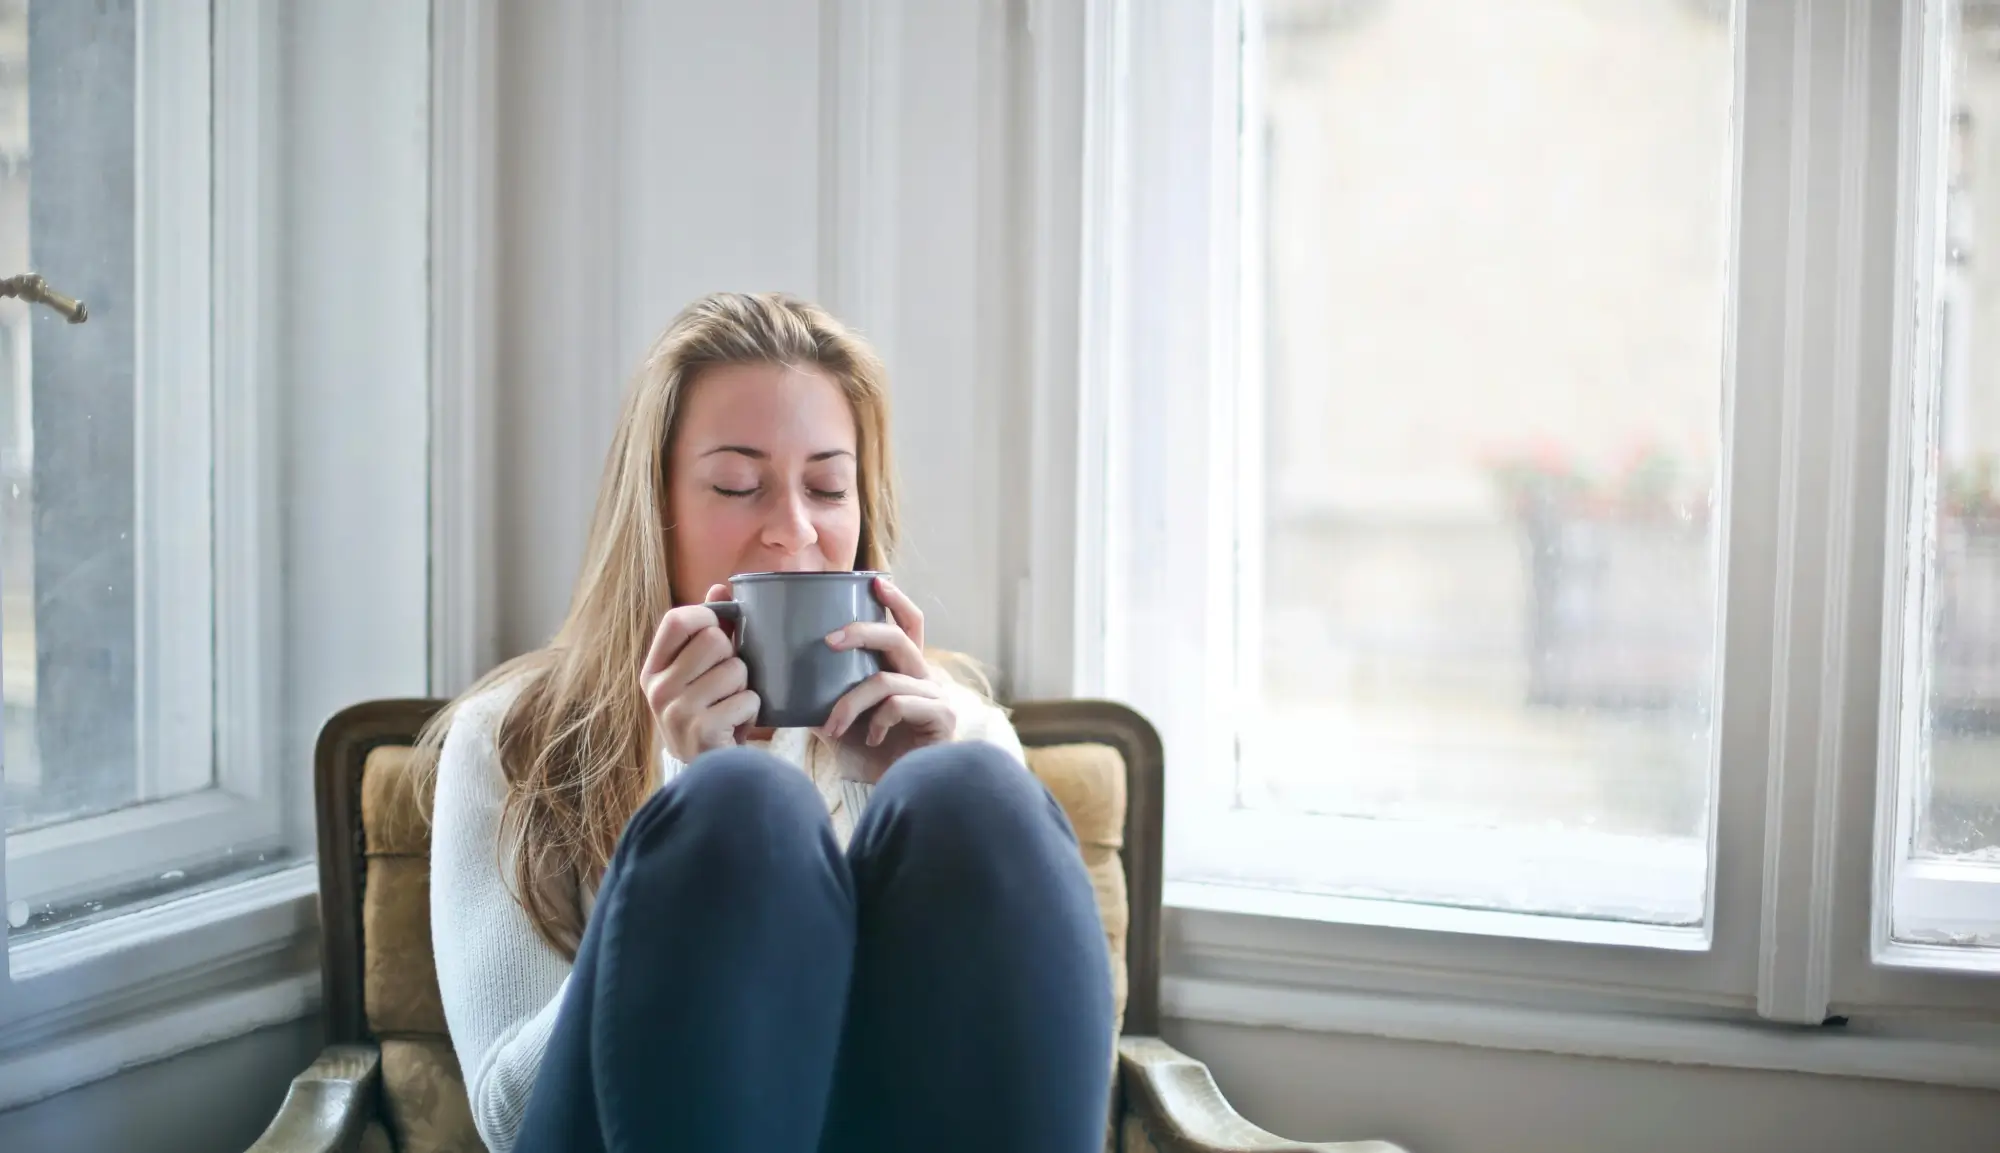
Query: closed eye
pixel 734 491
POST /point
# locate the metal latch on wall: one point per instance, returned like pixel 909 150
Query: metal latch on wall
pixel 30 286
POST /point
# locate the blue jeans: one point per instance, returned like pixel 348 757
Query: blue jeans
pixel 745 987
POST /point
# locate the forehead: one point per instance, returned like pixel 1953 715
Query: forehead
pixel 771 407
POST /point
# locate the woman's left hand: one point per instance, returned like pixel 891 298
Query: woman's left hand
pixel 900 709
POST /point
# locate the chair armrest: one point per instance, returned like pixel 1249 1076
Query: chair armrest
pixel 328 1105
pixel 1183 1111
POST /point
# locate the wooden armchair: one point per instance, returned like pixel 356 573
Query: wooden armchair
pixel 389 1079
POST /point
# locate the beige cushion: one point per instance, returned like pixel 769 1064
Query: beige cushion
pixel 1089 782
pixel 398 974
pixel 423 1092
pixel 423 1097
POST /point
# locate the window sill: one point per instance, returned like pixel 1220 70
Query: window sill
pixel 96 1000
pixel 1292 905
pixel 1963 1059
pixel 101 852
pixel 1398 971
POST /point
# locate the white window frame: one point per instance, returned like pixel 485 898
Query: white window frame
pixel 338 334
pixel 1921 903
pixel 1785 931
pixel 206 779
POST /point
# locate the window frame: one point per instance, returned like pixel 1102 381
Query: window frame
pixel 1815 244
pixel 292 121
pixel 1914 895
pixel 206 783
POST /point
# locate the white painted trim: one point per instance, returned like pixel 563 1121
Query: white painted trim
pixel 94 1054
pixel 1970 1060
pixel 173 529
pixel 78 858
pixel 1046 637
pixel 1403 913
pixel 1103 383
pixel 1948 902
pixel 464 271
pixel 1248 264
pixel 1781 866
pixel 1917 903
pixel 1818 487
pixel 248 458
pixel 153 960
pixel 862 130
pixel 206 929
pixel 1547 877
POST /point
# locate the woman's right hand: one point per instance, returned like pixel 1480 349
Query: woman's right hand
pixel 696 685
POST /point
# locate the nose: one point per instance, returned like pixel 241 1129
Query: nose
pixel 789 529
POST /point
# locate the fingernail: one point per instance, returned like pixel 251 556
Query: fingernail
pixel 836 638
pixel 874 739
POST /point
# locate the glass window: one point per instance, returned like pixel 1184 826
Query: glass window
pixel 1949 842
pixel 1492 333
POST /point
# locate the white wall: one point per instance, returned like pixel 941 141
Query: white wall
pixel 652 152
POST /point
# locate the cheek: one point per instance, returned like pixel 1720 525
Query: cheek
pixel 840 535
pixel 709 538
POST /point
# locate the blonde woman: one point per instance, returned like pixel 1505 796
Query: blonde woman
pixel 659 929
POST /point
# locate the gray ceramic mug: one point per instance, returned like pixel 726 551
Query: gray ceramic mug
pixel 782 620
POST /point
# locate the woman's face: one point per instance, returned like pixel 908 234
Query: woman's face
pixel 762 477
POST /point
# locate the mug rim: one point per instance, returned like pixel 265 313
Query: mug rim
pixel 843 574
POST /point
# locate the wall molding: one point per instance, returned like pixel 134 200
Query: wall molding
pixel 464 247
pixel 94 1054
pixel 1043 656
pixel 861 130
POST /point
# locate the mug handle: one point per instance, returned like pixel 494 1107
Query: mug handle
pixel 728 612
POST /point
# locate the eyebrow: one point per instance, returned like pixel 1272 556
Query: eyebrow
pixel 760 454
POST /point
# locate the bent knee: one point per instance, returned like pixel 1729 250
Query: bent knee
pixel 728 804
pixel 744 784
pixel 970 783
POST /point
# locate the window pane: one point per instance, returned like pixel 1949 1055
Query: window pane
pixel 1495 296
pixel 1959 815
pixel 68 559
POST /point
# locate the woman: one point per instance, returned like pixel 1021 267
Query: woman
pixel 657 928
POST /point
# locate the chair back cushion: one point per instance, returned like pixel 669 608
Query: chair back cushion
pixel 423 1089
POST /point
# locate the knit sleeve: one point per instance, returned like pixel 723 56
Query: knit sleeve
pixel 501 983
pixel 979 719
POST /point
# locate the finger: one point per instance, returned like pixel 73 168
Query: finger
pixel 870 693
pixel 676 627
pixel 722 592
pixel 718 683
pixel 736 710
pixel 929 717
pixel 899 651
pixel 703 651
pixel 902 610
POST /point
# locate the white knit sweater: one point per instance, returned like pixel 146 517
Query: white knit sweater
pixel 502 984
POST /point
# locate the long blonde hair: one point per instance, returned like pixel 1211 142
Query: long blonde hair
pixel 578 745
